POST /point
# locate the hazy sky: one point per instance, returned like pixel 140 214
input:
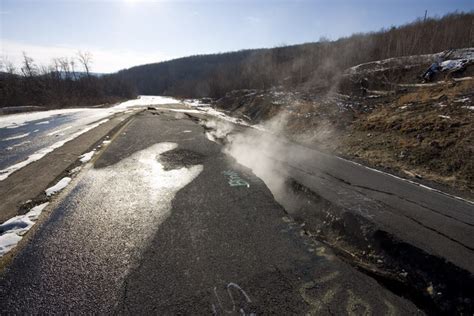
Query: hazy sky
pixel 123 33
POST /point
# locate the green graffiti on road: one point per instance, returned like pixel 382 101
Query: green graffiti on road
pixel 235 180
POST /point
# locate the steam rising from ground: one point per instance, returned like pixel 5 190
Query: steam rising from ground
pixel 217 129
pixel 261 152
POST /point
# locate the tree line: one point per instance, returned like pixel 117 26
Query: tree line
pixel 65 82
pixel 311 65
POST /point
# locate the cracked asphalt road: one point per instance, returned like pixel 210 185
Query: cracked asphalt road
pixel 164 223
pixel 437 223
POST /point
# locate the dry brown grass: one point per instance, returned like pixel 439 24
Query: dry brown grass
pixel 448 91
pixel 424 132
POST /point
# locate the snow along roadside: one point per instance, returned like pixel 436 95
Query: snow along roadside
pixel 13 230
pixel 58 186
pixel 87 156
pixel 44 151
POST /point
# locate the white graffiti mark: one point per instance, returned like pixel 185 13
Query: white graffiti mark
pixel 235 180
pixel 320 293
pixel 391 310
pixel 229 287
pixel 357 306
pixel 317 305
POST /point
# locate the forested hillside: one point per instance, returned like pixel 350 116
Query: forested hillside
pixel 314 65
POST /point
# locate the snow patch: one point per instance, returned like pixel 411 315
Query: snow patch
pixel 75 170
pixel 59 131
pixel 185 111
pixel 211 137
pixel 195 103
pixel 144 100
pixel 462 100
pixel 42 123
pixel 14 125
pixel 385 64
pixel 16 137
pixel 13 229
pixel 8 241
pixel 58 186
pixel 100 122
pixel 211 111
pixel 35 212
pixel 17 145
pixel 453 65
pixel 87 156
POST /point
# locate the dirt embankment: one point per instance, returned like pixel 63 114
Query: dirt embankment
pixel 383 115
pixel 425 133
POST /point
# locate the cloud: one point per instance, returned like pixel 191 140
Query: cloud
pixel 103 61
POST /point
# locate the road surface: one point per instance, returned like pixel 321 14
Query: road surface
pixel 163 222
pixel 438 223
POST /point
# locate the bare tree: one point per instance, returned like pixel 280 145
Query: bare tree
pixel 65 68
pixel 73 68
pixel 9 67
pixel 56 68
pixel 44 70
pixel 29 68
pixel 6 65
pixel 85 58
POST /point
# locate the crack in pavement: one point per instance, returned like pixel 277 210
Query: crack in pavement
pixel 410 217
pixel 399 197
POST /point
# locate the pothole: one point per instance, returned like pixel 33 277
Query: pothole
pixel 178 158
